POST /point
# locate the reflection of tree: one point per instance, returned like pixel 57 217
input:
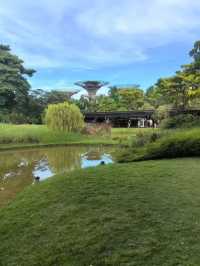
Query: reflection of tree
pixel 64 159
pixel 15 172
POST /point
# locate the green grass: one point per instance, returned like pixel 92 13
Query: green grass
pixel 13 136
pixel 33 135
pixel 143 214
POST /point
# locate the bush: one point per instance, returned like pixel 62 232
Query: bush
pixel 64 117
pixel 137 147
pixel 184 143
pixel 180 144
pixel 181 121
pixel 102 129
pixel 4 118
pixel 142 138
pixel 15 118
pixel 17 140
pixel 18 118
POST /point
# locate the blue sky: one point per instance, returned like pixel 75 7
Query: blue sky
pixel 123 42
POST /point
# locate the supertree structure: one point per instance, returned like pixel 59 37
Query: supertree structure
pixel 91 87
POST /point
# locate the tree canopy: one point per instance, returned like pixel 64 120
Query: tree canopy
pixel 14 86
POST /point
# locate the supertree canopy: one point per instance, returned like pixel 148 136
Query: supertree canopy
pixel 91 87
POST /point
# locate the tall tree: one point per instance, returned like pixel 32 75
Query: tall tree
pixel 180 89
pixel 14 86
pixel 106 104
pixel 183 89
pixel 131 99
pixel 195 52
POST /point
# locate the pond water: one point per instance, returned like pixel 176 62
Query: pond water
pixel 19 168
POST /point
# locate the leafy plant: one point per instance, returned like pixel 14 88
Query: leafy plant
pixel 181 121
pixel 64 117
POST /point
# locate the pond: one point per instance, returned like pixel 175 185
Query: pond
pixel 19 168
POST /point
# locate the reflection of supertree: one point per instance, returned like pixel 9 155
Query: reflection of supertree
pixel 93 155
pixel 91 87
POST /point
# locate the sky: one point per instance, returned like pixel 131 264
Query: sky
pixel 122 42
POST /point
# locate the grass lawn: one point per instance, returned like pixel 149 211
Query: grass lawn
pixel 12 136
pixel 34 135
pixel 145 213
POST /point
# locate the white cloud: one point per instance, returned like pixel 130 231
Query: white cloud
pixel 87 34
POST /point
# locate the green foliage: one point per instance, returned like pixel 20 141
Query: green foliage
pixel 40 99
pixel 162 112
pixel 14 87
pixel 177 89
pixel 106 104
pixel 154 97
pixel 181 121
pixel 145 137
pixel 181 90
pixel 147 106
pixel 179 144
pixel 64 117
pixel 131 98
pixel 170 144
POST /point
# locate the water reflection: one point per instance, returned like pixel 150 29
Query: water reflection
pixel 18 168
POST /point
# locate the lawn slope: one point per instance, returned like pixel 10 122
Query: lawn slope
pixel 145 213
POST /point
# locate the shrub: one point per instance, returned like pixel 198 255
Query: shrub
pixel 64 117
pixel 183 143
pixel 181 121
pixel 138 145
pixel 18 118
pixel 101 129
pixel 4 118
pixel 142 138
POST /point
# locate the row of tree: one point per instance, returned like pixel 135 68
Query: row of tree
pixel 19 104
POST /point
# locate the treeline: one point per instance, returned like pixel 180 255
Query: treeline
pixel 20 104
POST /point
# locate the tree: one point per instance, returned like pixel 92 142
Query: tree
pixel 180 89
pixel 131 98
pixel 64 117
pixel 195 53
pixel 154 97
pixel 55 96
pixel 106 104
pixel 14 86
pixel 114 93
